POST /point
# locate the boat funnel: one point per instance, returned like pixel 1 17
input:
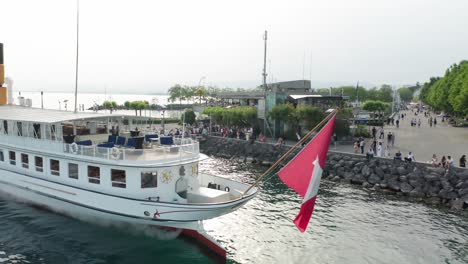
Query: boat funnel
pixel 3 90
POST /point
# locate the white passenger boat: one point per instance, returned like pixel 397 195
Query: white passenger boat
pixel 58 160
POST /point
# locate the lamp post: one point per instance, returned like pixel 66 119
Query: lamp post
pixel 162 122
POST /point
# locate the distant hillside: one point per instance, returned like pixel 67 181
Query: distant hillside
pixel 448 93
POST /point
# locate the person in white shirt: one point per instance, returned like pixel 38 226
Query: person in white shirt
pixel 450 161
pixel 379 150
pixel 410 157
pixel 387 151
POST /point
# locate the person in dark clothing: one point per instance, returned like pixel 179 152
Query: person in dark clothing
pixel 463 161
pixel 374 132
pixel 397 156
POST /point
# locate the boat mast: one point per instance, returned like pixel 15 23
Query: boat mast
pixel 77 41
pixel 265 83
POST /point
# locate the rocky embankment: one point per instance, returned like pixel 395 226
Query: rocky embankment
pixel 419 181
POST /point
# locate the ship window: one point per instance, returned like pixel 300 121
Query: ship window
pixel 73 170
pixel 5 126
pixel 12 158
pixel 55 167
pixel 37 130
pixel 2 158
pixel 118 178
pixel 25 160
pixel 149 179
pixel 38 163
pixel 94 174
pixel 19 127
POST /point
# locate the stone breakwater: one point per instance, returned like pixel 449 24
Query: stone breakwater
pixel 419 181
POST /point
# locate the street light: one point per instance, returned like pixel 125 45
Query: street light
pixel 162 122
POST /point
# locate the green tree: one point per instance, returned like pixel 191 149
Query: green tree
pixel 138 106
pixel 127 105
pixel 200 92
pixel 285 113
pixel 109 104
pixel 176 93
pixel 405 94
pixel 295 116
pixel 241 115
pixel 189 117
pixel 310 115
pixel 375 106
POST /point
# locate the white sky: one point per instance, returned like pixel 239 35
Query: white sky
pixel 147 46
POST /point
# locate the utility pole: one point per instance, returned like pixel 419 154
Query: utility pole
pixel 265 37
pixel 264 62
pixel 357 93
pixel 77 41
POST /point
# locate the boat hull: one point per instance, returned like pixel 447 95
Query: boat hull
pixel 78 202
pixel 192 229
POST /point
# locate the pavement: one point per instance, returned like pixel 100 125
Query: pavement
pixel 442 140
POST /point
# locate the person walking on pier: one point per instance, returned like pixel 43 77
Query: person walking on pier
pixel 389 138
pixel 370 154
pixel 379 150
pixel 374 132
pixel 361 144
pixel 356 147
pixel 387 151
pixel 398 123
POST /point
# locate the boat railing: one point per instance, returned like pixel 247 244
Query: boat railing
pixel 184 148
pixel 149 153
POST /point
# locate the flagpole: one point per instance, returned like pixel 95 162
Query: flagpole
pixel 278 162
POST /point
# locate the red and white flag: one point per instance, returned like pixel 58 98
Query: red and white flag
pixel 304 171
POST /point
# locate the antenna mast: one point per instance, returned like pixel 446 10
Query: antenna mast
pixel 265 37
pixel 77 41
pixel 264 62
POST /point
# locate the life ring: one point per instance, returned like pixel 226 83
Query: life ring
pixel 226 189
pixel 115 153
pixel 73 148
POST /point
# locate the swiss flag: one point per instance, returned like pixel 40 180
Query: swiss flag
pixel 304 171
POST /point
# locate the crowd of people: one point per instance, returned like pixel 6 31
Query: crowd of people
pixel 377 142
pixel 447 162
pixel 382 144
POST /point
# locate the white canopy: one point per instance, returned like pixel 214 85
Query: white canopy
pixel 28 114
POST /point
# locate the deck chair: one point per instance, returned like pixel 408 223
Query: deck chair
pixel 120 141
pixel 130 143
pixel 111 139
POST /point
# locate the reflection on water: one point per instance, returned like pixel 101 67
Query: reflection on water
pixel 349 225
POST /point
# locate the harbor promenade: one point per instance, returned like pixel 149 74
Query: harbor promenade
pixel 442 139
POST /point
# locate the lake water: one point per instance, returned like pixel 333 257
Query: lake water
pixel 350 225
pixel 66 101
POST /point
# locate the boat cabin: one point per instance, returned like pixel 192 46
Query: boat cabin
pixel 106 153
